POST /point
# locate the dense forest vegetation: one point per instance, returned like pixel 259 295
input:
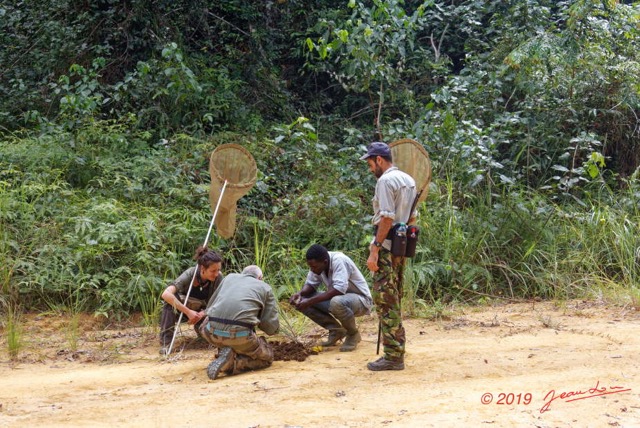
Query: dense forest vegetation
pixel 109 111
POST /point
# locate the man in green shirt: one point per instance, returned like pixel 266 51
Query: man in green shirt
pixel 241 303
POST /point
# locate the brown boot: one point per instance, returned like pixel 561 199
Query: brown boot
pixel 224 361
pixel 243 363
pixel 257 364
pixel 335 336
pixel 238 366
pixel 383 364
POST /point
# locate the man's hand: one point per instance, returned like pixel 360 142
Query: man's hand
pixel 384 226
pixel 295 299
pixel 372 261
pixel 194 317
pixel 303 304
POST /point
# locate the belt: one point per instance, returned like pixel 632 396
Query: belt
pixel 232 322
pixel 228 334
pixel 232 334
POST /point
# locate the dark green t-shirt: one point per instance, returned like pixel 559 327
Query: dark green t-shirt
pixel 201 289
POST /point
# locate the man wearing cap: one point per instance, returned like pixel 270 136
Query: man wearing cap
pixel 392 203
pixel 242 302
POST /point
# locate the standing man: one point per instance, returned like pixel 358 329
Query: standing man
pixel 206 281
pixel 346 297
pixel 242 302
pixel 392 203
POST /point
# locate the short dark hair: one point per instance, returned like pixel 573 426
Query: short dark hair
pixel 206 257
pixel 317 252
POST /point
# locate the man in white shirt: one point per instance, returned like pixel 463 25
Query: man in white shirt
pixel 392 204
pixel 347 296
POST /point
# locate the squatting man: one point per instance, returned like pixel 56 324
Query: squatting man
pixel 347 296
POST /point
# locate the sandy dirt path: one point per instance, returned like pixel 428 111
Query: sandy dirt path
pixel 573 364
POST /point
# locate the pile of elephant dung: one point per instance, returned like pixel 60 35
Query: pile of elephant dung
pixel 291 351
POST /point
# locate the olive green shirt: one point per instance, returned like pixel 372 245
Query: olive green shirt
pixel 246 299
pixel 200 290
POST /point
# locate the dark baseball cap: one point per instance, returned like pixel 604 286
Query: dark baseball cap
pixel 377 149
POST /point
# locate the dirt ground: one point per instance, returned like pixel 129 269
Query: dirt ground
pixel 569 364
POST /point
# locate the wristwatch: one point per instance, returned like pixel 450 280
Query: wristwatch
pixel 377 244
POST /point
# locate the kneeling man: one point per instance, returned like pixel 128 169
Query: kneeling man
pixel 241 302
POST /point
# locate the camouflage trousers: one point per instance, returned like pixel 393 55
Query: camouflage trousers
pixel 387 296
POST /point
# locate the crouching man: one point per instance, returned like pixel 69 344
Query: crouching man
pixel 241 302
pixel 347 296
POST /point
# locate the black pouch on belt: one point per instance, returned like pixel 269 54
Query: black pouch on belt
pixel 412 240
pixel 398 236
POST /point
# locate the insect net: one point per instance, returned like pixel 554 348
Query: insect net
pixel 409 156
pixel 233 163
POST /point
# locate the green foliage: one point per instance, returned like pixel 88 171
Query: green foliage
pixel 521 244
pixel 148 300
pixel 38 40
pixel 168 95
pixel 80 93
pixel 373 45
pixel 91 239
pixel 12 328
pixel 177 65
pixel 585 73
pixel 374 50
pixel 109 111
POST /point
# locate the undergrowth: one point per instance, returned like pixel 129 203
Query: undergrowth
pixel 100 220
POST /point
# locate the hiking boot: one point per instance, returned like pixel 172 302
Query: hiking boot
pixel 351 342
pixel 244 363
pixel 384 364
pixel 335 336
pixel 223 362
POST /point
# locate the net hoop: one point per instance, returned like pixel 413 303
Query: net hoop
pixel 411 157
pixel 233 164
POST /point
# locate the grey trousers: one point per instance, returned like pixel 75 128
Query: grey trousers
pixel 335 313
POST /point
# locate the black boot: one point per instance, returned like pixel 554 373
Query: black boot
pixel 383 364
